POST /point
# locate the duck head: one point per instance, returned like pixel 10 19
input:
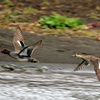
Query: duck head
pixel 84 56
pixel 5 51
pixel 78 54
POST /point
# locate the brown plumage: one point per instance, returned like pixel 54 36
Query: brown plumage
pixel 86 62
pixel 18 40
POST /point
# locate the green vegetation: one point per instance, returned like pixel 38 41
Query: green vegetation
pixel 94 15
pixel 10 16
pixel 16 15
pixel 29 10
pixel 25 13
pixel 45 3
pixel 8 3
pixel 59 21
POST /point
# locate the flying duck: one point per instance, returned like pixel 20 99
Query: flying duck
pixel 22 52
pixel 86 60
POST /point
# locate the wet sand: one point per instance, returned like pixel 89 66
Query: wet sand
pixel 52 49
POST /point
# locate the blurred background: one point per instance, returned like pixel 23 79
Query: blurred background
pixel 71 17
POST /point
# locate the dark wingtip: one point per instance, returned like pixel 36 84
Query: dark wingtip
pixel 75 69
pixel 18 27
pixel 39 42
pixel 85 53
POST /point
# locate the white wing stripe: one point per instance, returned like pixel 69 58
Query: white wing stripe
pixel 99 65
pixel 19 43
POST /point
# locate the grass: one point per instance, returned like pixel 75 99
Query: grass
pixel 94 15
pixel 8 3
pixel 45 3
pixel 64 26
pixel 63 33
pixel 17 15
pixel 29 10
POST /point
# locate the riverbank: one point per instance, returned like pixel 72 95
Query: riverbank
pixel 53 49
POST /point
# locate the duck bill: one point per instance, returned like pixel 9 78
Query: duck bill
pixel 73 55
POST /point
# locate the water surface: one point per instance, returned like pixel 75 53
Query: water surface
pixel 59 82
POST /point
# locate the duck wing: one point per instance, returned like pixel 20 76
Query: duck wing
pixel 28 50
pixel 18 40
pixel 82 65
pixel 97 69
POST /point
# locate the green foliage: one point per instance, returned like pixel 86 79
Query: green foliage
pixel 45 3
pixel 17 15
pixel 59 21
pixel 10 16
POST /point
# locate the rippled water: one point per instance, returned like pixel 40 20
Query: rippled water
pixel 59 82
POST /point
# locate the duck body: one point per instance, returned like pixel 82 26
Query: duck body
pixel 22 52
pixel 86 60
